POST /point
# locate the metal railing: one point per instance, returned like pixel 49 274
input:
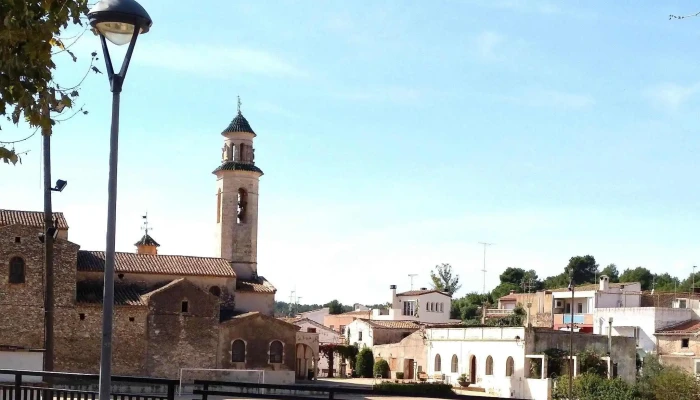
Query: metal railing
pixel 73 386
pixel 206 389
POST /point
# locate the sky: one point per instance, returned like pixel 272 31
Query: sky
pixel 394 136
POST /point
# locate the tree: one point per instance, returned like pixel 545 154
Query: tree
pixel 556 281
pixel 504 289
pixel 612 273
pixel 381 368
pixel 30 33
pixel 335 307
pixel 328 351
pixel 467 307
pixel 665 282
pixel 513 275
pixel 531 282
pixel 365 363
pixel 444 280
pixel 582 269
pixel 639 274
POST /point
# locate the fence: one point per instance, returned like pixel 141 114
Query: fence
pixel 72 386
pixel 309 391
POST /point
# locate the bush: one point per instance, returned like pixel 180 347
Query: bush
pixel 592 386
pixel 381 368
pixel 416 389
pixel 399 375
pixel 365 363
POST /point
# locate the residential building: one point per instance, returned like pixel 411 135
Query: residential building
pixel 640 323
pixel 424 305
pixel 499 360
pixel 315 315
pixel 171 311
pixel 538 307
pixel 326 335
pixel 369 332
pixel 589 297
pixel 679 345
pixel 338 322
pixel 408 356
pixel 360 307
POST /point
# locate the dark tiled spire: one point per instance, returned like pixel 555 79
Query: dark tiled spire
pixel 147 240
pixel 239 123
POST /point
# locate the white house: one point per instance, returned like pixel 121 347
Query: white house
pixel 315 315
pixel 587 298
pixel 638 322
pixel 325 336
pixel 369 332
pixel 424 305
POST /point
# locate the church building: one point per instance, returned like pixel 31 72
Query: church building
pixel 171 311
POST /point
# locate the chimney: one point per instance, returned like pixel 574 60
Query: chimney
pixel 604 283
pixel 393 302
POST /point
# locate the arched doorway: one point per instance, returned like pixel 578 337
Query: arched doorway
pixel 472 369
pixel 305 361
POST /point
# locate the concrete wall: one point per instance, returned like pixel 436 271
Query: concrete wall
pixel 647 319
pixel 429 310
pixel 337 321
pixel 623 348
pixel 356 329
pixel 21 360
pixel 409 350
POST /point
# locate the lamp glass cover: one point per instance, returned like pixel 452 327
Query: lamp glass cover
pixel 119 33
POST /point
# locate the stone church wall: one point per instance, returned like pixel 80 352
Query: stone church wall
pixel 178 339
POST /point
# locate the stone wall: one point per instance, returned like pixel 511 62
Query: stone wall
pixel 178 339
pixel 258 331
pixel 399 355
pixel 78 339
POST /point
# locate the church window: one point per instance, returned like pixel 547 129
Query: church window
pixel 185 306
pixel 17 270
pixel 218 207
pixel 82 316
pixel 438 363
pixel 242 206
pixel 311 330
pixel 132 319
pixel 238 351
pixel 18 239
pixel 241 152
pixel 215 290
pixel 276 349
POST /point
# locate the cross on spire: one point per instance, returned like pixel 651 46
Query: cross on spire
pixel 145 224
pixel 239 105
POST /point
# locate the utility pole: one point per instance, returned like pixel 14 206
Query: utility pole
pixel 411 276
pixel 48 246
pixel 484 270
pixel 571 338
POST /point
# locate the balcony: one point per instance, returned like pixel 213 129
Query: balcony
pixel 579 319
pixel 498 312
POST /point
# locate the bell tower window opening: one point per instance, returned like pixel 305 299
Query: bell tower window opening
pixel 242 206
pixel 241 152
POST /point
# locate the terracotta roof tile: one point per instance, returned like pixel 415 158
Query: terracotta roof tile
pixel 422 292
pixel 147 240
pixel 392 324
pixel 93 261
pixel 360 313
pixel 124 295
pixel 30 218
pixel 239 124
pixel 686 327
pixel 261 285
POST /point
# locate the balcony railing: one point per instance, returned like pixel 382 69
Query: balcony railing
pixel 498 312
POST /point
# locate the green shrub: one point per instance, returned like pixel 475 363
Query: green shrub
pixel 592 386
pixel 381 368
pixel 365 363
pixel 399 375
pixel 416 389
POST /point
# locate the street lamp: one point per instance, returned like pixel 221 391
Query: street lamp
pixel 120 22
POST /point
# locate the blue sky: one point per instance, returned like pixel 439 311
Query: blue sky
pixel 396 135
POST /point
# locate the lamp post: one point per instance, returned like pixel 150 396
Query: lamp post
pixel 120 22
pixel 571 338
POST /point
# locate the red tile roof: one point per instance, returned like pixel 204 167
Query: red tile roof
pixel 422 292
pixel 686 327
pixel 392 324
pixel 30 218
pixel 354 313
pixel 93 261
pixel 124 295
pixel 261 285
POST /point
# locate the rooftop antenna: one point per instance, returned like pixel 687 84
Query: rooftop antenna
pixel 484 270
pixel 411 276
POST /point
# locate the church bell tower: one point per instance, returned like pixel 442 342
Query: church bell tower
pixel 237 180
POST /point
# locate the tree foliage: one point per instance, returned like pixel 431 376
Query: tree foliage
pixel 444 279
pixel 381 368
pixel 30 37
pixel 335 307
pixel 639 274
pixel 612 273
pixel 583 269
pixel 365 363
pixel 328 351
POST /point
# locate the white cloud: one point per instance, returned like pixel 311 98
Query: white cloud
pixel 551 98
pixel 671 96
pixel 217 61
pixel 487 45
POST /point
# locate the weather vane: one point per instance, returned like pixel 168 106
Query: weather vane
pixel 239 104
pixel 145 224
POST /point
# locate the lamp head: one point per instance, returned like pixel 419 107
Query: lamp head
pixel 60 185
pixel 117 20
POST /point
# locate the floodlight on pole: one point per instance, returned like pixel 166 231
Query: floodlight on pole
pixel 120 22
